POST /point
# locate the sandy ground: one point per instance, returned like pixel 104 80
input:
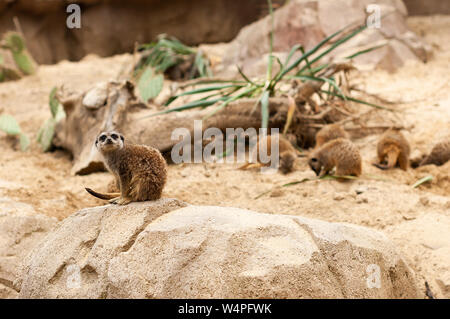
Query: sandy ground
pixel 418 220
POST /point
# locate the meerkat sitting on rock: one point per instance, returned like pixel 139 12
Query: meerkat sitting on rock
pixel 330 132
pixel 340 153
pixel 287 153
pixel 393 149
pixel 140 170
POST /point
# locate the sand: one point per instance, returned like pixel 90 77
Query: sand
pixel 417 220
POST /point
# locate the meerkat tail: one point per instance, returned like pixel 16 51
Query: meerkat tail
pixel 250 165
pixel 245 166
pixel 106 196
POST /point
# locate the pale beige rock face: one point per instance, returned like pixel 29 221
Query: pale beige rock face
pixel 164 250
pixel 87 240
pixel 307 22
pixel 419 237
pixel 20 232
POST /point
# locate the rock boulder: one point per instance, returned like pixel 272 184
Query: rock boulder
pixel 166 249
pixel 20 232
pixel 307 22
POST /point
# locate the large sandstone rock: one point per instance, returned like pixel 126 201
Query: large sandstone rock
pixel 307 22
pixel 164 250
pixel 20 231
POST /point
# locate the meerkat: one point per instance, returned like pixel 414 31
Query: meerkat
pixel 330 132
pixel 140 170
pixel 340 153
pixel 287 154
pixel 439 155
pixel 394 149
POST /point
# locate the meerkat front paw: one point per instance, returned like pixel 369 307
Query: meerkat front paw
pixel 123 201
pixel 114 200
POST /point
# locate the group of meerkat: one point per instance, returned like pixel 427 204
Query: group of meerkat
pixel 334 150
pixel 140 171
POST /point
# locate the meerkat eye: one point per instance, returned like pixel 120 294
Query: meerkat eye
pixel 121 137
pixel 102 138
pixel 114 136
pixel 314 160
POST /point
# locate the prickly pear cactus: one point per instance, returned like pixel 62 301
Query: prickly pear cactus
pixel 15 43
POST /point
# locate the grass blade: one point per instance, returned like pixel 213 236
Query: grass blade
pixel 425 179
pixel 262 194
pixel 190 105
pixel 229 100
pixel 336 44
pixel 291 53
pixel 265 109
pixel 307 62
pixel 298 182
pixel 365 51
pixel 322 79
pixel 310 52
pixel 358 101
pixel 201 90
pixel 245 77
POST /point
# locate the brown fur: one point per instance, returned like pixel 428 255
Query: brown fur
pixel 287 153
pixel 113 186
pixel 330 132
pixel 394 149
pixel 440 153
pixel 340 153
pixel 140 170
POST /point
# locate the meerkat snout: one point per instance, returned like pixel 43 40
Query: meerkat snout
pixel 315 165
